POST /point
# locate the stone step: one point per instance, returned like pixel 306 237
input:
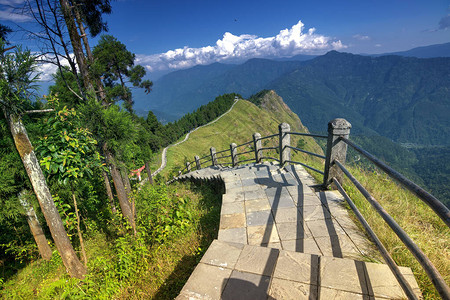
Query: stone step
pixel 238 271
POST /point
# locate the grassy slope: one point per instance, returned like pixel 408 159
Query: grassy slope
pixel 426 229
pixel 238 127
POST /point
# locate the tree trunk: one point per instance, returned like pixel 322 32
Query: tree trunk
pixel 90 56
pixel 149 172
pixel 73 265
pixel 75 40
pixel 125 205
pixel 109 192
pixel 41 241
pixel 126 181
pixel 80 236
pixel 130 196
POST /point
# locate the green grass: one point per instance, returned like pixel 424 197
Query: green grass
pixel 238 127
pixel 419 221
pixel 121 266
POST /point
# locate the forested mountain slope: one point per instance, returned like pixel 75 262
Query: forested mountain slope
pixel 405 99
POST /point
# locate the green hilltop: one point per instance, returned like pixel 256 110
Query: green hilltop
pixel 238 126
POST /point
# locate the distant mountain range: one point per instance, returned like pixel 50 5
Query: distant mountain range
pixel 406 99
pixel 439 50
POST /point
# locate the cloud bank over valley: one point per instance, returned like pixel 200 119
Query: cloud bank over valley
pixel 288 42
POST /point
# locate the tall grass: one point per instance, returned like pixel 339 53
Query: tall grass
pixel 420 222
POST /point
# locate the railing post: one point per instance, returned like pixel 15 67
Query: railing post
pixel 285 140
pixel 188 166
pixel 233 154
pixel 336 149
pixel 258 146
pixel 197 162
pixel 213 156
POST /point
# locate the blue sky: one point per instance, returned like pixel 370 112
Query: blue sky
pixel 177 34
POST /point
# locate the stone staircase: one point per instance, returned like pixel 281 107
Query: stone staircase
pixel 279 239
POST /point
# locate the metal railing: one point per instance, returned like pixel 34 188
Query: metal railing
pixel 334 172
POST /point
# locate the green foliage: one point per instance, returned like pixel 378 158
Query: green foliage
pixel 124 266
pixel 4 31
pixel 257 98
pixel 162 217
pixel 17 75
pixel 433 167
pixel 60 90
pixel 67 150
pixel 22 252
pixel 114 64
pixel 67 216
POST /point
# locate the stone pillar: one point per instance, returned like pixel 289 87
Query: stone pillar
pixel 285 140
pixel 213 156
pixel 233 154
pixel 257 145
pixel 336 149
pixel 188 166
pixel 197 162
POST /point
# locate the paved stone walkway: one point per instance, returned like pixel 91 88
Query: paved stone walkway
pixel 279 239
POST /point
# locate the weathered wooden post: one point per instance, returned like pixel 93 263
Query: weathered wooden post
pixel 257 145
pixel 336 149
pixel 285 140
pixel 188 166
pixel 149 172
pixel 197 162
pixel 233 154
pixel 213 156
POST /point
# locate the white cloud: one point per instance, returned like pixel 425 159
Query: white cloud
pixel 8 12
pixel 287 42
pixel 361 37
pixel 46 69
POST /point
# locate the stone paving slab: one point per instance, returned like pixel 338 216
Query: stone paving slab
pixel 251 272
pixel 273 226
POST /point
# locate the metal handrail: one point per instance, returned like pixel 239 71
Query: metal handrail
pixel 425 262
pixel 246 160
pixel 269 157
pixel 269 148
pixel 246 152
pixel 387 257
pixel 268 137
pixel 223 156
pixel 205 157
pixel 307 152
pixel 218 152
pixel 245 144
pixel 305 165
pixel 209 160
pixel 439 208
pixel 308 134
